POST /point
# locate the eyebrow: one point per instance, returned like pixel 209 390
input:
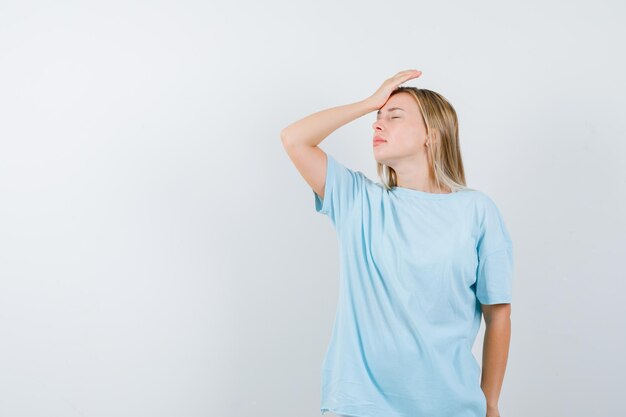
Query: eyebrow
pixel 390 110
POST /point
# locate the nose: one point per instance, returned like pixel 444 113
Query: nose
pixel 377 125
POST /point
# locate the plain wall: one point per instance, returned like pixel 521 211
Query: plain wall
pixel 161 256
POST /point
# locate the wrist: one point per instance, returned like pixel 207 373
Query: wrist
pixel 369 104
pixel 492 411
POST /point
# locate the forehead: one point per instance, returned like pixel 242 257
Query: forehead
pixel 403 100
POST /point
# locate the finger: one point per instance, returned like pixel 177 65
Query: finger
pixel 410 76
pixel 414 72
pixel 401 74
pixel 407 75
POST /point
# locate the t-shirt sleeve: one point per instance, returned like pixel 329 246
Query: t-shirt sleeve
pixel 495 258
pixel 341 191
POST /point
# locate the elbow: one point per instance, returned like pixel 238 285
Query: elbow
pixel 286 138
pixel 283 136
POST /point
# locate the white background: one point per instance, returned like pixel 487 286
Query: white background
pixel 161 256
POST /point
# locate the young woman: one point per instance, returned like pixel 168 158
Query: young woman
pixel 422 258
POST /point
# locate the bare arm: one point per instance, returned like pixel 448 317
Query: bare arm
pixel 300 139
pixel 495 353
pixel 313 129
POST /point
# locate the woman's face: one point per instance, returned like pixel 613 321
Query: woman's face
pixel 399 122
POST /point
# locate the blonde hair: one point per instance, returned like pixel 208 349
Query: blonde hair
pixel 444 152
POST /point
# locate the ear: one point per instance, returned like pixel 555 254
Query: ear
pixel 430 139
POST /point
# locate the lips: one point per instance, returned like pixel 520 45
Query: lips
pixel 378 140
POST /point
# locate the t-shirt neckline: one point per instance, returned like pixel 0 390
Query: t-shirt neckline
pixel 423 194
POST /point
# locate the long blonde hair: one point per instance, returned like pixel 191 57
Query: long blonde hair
pixel 444 152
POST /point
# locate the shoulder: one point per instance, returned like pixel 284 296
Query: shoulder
pixel 489 215
pixel 482 206
pixel 374 188
pixel 482 199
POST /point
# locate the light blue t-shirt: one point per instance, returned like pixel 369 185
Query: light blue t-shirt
pixel 414 269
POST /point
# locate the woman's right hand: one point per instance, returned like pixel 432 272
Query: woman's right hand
pixel 380 97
